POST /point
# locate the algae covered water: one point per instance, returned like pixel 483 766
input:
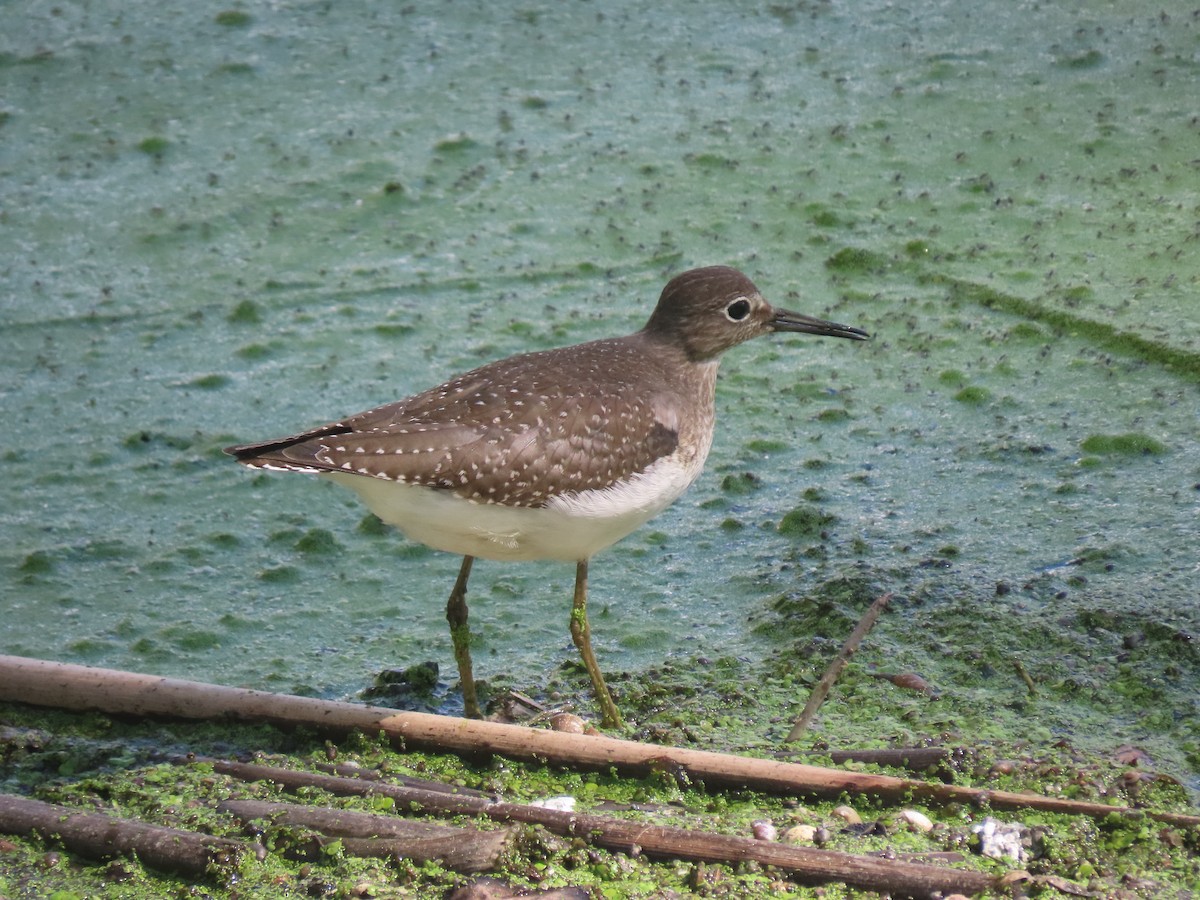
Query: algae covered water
pixel 222 224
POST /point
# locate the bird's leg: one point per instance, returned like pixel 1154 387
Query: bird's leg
pixel 460 637
pixel 581 633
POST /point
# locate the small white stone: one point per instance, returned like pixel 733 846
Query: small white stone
pixel 568 723
pixel 1001 840
pixel 562 804
pixel 800 834
pixel 915 820
pixel 848 815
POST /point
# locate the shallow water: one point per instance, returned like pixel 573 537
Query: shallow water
pixel 219 227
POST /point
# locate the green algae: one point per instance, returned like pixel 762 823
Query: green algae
pixel 210 382
pixel 833 415
pixel 246 312
pixel 1182 362
pixel 318 542
pixel 805 521
pixel 857 261
pixel 741 483
pixel 233 18
pixel 973 395
pixel 155 145
pixel 1129 444
pixel 39 562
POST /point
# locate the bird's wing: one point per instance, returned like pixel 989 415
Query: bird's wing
pixel 495 435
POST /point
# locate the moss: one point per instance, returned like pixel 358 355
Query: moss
pixel 153 146
pixel 833 414
pixel 318 542
pixel 1026 331
pixel 253 351
pixel 1129 444
pixel 279 574
pixel 710 161
pixel 973 395
pixel 761 445
pixel 234 68
pixel 458 144
pixel 824 218
pixel 246 312
pixel 856 261
pixel 233 18
pixel 372 525
pixel 39 562
pixel 1089 59
pixel 197 640
pixel 741 483
pixel 807 390
pixel 209 382
pixel 952 378
pixel 805 521
pixel 392 329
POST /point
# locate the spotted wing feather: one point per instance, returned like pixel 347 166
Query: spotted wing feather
pixel 515 432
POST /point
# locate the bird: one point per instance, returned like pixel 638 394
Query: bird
pixel 550 455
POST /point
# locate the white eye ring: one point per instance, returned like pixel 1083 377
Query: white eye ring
pixel 738 309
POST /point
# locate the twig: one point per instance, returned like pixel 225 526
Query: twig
pixel 899 878
pixel 67 686
pixel 466 850
pixel 99 836
pixel 1030 686
pixel 821 691
pixel 407 780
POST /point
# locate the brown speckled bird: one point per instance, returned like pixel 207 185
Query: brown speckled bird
pixel 549 455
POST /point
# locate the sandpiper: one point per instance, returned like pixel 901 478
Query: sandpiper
pixel 549 455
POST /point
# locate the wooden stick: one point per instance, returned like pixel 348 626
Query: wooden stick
pixel 62 685
pixel 899 878
pixel 99 836
pixel 467 850
pixel 916 759
pixel 821 691
pixel 406 780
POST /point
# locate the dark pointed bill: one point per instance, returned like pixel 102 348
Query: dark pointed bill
pixel 785 320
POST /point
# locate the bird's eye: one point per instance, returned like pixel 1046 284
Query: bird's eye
pixel 738 309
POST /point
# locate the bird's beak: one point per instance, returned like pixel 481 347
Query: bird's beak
pixel 785 320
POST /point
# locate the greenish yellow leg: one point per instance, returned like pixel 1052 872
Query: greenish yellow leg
pixel 460 636
pixel 581 633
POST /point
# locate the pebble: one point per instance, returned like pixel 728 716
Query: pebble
pixel 764 831
pixel 568 723
pixel 800 834
pixel 848 815
pixel 1002 840
pixel 917 821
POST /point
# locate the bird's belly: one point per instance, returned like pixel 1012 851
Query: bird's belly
pixel 570 528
